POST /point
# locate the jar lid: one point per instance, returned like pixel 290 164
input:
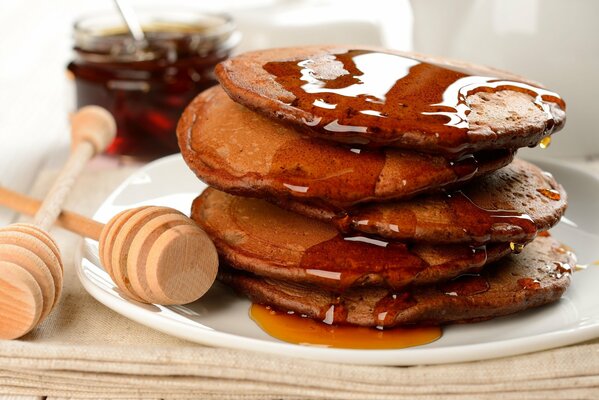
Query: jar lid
pixel 170 34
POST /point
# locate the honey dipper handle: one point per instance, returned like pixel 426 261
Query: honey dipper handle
pixel 71 221
pixel 92 130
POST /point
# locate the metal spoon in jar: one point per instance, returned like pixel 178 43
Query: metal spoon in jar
pixel 132 22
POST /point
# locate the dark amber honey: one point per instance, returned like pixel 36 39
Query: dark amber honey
pixel 296 329
pixel 147 86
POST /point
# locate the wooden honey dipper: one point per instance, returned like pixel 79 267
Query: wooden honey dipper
pixel 31 271
pixel 153 254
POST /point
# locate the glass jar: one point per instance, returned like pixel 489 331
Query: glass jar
pixel 147 85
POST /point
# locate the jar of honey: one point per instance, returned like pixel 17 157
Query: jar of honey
pixel 147 84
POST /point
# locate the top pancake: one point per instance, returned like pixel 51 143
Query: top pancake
pixel 511 204
pixel 379 97
pixel 242 152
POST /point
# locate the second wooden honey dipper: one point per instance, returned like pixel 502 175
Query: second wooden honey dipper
pixel 32 272
pixel 153 254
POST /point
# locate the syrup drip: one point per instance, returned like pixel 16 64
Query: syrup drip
pixel 465 285
pixel 387 308
pixel 545 142
pixel 382 93
pixel 336 313
pixel 529 283
pixel 477 222
pixel 293 328
pixel 357 259
pixel 550 193
pixel 516 247
pixel 346 261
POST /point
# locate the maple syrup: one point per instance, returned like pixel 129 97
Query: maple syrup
pixel 293 328
pixel 354 172
pixel 529 283
pixel 387 308
pixel 346 261
pixel 476 221
pixel 516 247
pixel 349 174
pixel 382 94
pixel 465 285
pixel 545 142
pixel 551 194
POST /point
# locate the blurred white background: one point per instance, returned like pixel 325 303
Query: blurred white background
pixel 555 42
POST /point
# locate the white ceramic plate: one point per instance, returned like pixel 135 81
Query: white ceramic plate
pixel 221 317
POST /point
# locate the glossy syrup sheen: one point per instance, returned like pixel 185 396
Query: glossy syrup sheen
pixel 346 261
pixel 333 172
pixel 293 328
pixel 345 175
pixel 476 221
pixel 465 285
pixel 479 221
pixel 382 93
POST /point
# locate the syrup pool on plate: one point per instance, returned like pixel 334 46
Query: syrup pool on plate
pixel 296 329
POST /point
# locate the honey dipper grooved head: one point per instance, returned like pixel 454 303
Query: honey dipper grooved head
pixel 20 301
pixel 158 255
pixel 33 268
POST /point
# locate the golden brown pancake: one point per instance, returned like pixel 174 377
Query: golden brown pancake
pixel 537 276
pixel 239 151
pixel 259 237
pixel 379 97
pixel 509 205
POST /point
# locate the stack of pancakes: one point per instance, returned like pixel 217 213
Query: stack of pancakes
pixel 377 188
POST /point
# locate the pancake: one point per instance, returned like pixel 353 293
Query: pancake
pixel 239 151
pixel 379 97
pixel 537 276
pixel 261 238
pixel 512 204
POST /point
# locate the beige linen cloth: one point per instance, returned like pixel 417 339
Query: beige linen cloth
pixel 85 350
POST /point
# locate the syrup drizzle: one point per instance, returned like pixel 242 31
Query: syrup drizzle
pixel 346 175
pixel 465 285
pixel 387 308
pixel 476 221
pixel 346 261
pixel 380 93
pixel 551 194
pixel 297 329
pixel 479 222
pixel 529 283
pixel 545 142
